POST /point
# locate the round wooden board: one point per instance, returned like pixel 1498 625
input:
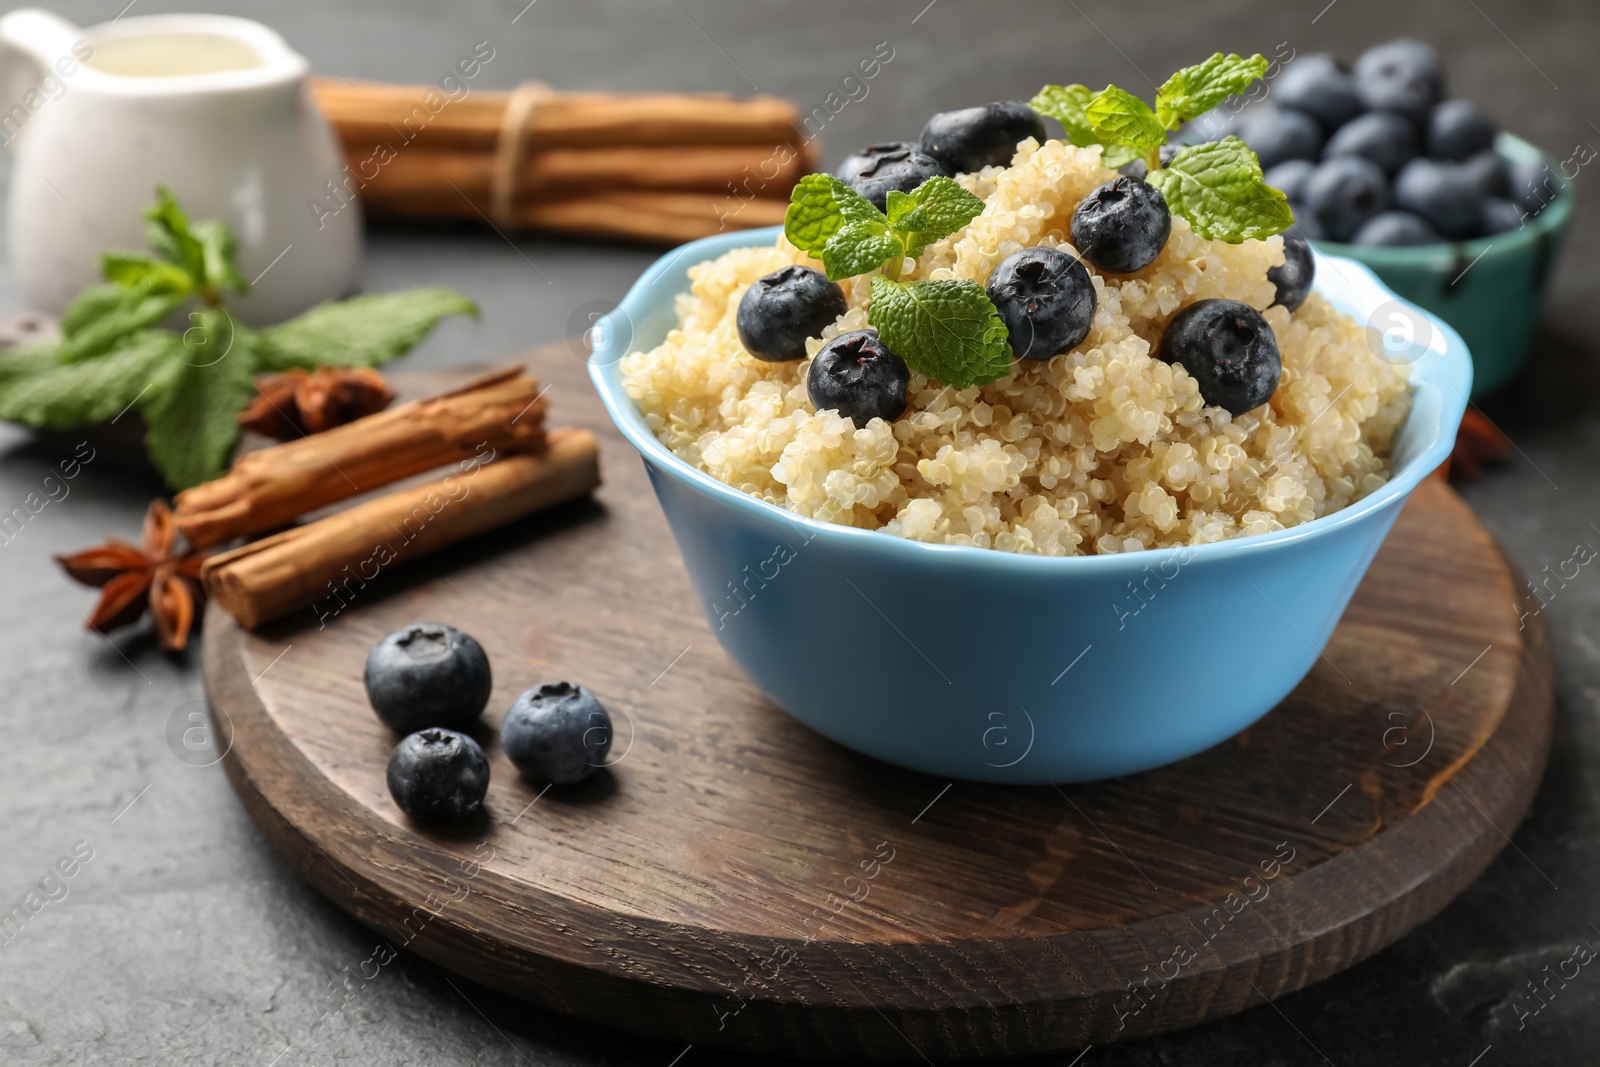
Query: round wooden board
pixel 736 880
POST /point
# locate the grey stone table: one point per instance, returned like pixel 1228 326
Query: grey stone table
pixel 183 939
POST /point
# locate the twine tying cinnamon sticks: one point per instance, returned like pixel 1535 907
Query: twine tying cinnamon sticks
pixel 647 166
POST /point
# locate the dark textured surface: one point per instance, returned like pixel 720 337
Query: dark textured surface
pixel 184 939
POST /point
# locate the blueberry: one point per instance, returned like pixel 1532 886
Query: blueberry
pixel 1457 129
pixel 862 158
pixel 1046 299
pixel 857 376
pixel 1403 76
pixel 1289 177
pixel 1395 228
pixel 1345 192
pixel 1490 172
pixel 900 168
pixel 1293 279
pixel 978 137
pixel 778 312
pixel 1446 194
pixel 1315 84
pixel 1224 119
pixel 1500 216
pixel 1306 223
pixel 1277 134
pixel 1381 136
pixel 1532 186
pixel 556 733
pixel 427 674
pixel 1229 350
pixel 1121 226
pixel 438 775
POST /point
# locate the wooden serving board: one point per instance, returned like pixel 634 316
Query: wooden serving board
pixel 736 880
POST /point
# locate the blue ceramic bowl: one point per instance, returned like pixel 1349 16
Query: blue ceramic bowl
pixel 977 664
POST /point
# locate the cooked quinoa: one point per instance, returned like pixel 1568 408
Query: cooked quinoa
pixel 1103 449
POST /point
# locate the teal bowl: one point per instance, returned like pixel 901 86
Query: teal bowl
pixel 1490 289
pixel 976 664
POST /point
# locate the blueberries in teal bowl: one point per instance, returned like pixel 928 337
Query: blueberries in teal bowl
pixel 1452 214
pixel 968 662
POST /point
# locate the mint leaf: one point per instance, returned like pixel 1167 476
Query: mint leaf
pixel 1116 155
pixel 1120 118
pixel 818 206
pixel 1065 104
pixel 56 395
pixel 155 275
pixel 191 417
pixel 1195 90
pixel 942 208
pixel 947 330
pixel 362 331
pixel 857 248
pixel 216 252
pixel 902 211
pixel 1218 187
pixel 166 227
pixel 104 315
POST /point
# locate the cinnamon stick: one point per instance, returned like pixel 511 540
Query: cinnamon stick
pixel 369 113
pixel 267 488
pixel 328 563
pixel 717 169
pixel 634 214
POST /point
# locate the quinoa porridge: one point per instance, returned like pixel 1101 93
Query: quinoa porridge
pixel 1103 448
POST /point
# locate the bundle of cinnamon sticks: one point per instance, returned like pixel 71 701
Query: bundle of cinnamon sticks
pixel 489 438
pixel 646 166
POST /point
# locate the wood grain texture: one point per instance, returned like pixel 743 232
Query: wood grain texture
pixel 705 887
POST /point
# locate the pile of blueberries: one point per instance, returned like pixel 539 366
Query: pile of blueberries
pixel 1376 155
pixel 431 683
pixel 1044 296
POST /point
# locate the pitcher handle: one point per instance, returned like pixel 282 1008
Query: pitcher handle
pixel 39 50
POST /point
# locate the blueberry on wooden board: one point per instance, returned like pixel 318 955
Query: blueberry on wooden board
pixel 557 733
pixel 427 674
pixel 438 776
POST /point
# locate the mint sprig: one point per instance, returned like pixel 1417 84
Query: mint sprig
pixel 832 222
pixel 1219 191
pixel 189 385
pixel 947 330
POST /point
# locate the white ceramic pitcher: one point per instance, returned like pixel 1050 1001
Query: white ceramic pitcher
pixel 214 107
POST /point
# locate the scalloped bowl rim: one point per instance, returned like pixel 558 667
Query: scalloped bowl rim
pixel 1444 368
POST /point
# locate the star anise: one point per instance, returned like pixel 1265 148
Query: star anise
pixel 150 575
pixel 296 403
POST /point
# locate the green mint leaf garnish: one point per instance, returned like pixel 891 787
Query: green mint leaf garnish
pixel 1065 104
pixel 858 248
pixel 818 206
pixel 190 384
pixel 38 388
pixel 192 419
pixel 1120 118
pixel 1218 187
pixel 362 331
pixel 832 222
pixel 1195 90
pixel 942 208
pixel 947 330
